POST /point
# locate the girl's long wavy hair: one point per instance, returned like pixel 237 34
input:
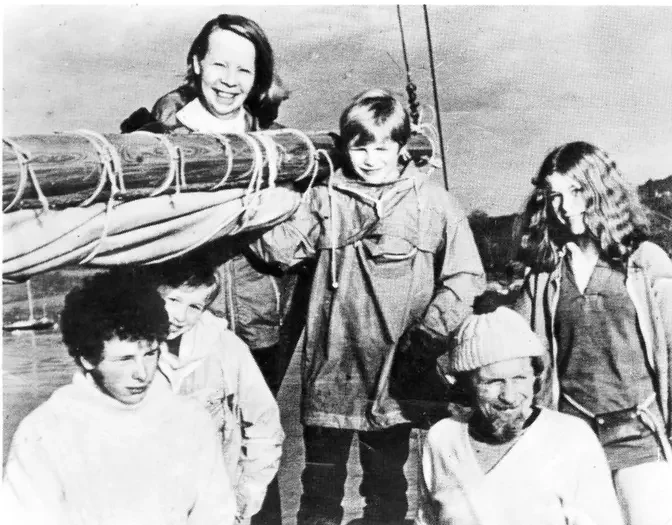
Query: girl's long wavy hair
pixel 614 217
pixel 268 91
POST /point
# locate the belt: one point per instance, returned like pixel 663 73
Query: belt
pixel 645 415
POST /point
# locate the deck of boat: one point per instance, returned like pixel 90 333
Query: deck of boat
pixel 292 462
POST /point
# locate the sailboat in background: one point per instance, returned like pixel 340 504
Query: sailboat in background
pixel 31 323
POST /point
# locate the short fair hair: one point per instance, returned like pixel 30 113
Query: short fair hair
pixel 375 108
pixel 194 270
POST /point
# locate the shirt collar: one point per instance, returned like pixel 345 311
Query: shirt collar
pixel 197 118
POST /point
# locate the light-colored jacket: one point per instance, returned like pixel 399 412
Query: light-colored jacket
pixel 389 258
pixel 217 369
pixel 649 284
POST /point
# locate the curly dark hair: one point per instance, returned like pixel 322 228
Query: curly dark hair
pixel 118 303
pixel 614 216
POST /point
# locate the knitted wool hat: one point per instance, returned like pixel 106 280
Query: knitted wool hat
pixel 489 338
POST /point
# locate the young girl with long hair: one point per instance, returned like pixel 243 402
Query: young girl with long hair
pixel 600 295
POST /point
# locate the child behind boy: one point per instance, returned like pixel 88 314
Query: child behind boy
pixel 395 262
pixel 208 362
pixel 116 445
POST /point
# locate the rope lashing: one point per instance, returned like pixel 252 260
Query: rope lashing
pixel 25 172
pixel 411 88
pixel 272 151
pixel 175 173
pixel 110 165
pixel 312 151
pixel 112 157
pixel 316 169
pixel 229 157
pixel 256 173
pixel 110 170
pixel 256 152
pixel 272 158
pixel 109 208
pixel 311 182
pixel 255 185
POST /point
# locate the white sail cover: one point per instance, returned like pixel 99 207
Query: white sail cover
pixel 141 231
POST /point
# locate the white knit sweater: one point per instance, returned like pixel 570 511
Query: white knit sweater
pixel 555 474
pixel 84 458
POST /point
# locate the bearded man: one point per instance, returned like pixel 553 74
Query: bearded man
pixel 504 460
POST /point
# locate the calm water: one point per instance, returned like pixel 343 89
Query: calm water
pixel 34 365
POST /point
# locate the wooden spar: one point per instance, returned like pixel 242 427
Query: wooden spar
pixel 69 169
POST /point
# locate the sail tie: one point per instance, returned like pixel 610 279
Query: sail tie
pixel 255 172
pixel 110 165
pixel 311 182
pixel 110 170
pixel 109 208
pixel 312 151
pixel 272 158
pixel 25 171
pixel 229 156
pixel 176 164
pixel 256 180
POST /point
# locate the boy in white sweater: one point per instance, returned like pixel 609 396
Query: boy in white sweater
pixel 206 361
pixel 115 446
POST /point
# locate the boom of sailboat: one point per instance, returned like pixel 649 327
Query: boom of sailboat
pixel 102 200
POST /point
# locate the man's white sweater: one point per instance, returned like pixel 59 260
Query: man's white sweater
pixel 555 474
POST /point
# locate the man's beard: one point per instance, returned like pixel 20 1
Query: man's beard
pixel 496 426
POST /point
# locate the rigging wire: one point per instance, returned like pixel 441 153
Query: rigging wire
pixel 436 96
pixel 656 212
pixel 411 88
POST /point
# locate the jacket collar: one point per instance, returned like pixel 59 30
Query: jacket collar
pixel 409 178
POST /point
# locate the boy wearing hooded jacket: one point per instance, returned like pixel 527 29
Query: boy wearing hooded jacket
pixel 206 361
pixel 396 263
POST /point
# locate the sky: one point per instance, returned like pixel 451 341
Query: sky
pixel 514 81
